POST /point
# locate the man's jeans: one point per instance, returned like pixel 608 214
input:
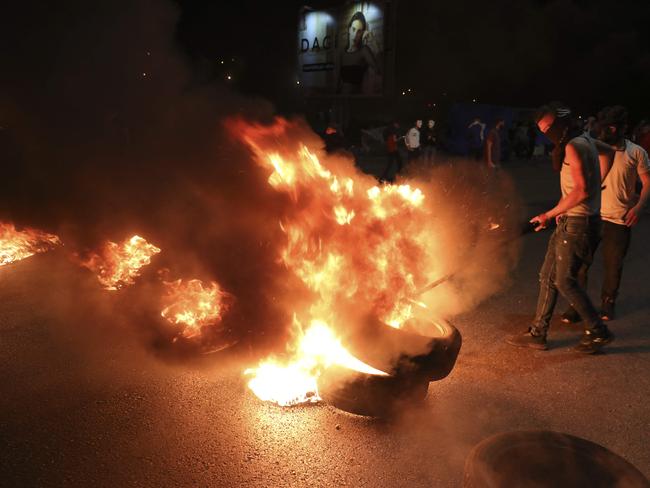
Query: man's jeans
pixel 393 157
pixel 615 241
pixel 571 247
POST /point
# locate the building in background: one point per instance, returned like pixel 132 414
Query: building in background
pixel 345 65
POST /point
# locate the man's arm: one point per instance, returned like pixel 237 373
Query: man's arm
pixel 574 197
pixel 488 148
pixel 406 139
pixel 632 216
pixel 605 157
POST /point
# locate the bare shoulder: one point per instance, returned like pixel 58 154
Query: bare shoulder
pixel 571 151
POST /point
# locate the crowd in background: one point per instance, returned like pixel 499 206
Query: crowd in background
pixel 492 144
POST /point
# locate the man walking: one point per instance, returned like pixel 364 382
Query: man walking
pixel 412 141
pixel 573 242
pixel 493 145
pixel 392 152
pixel 429 139
pixel 475 138
pixel 621 208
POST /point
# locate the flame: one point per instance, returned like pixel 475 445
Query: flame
pixel 117 265
pixel 295 380
pixel 348 237
pixel 16 245
pixel 192 306
pixel 353 244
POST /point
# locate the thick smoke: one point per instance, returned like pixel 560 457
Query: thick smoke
pixel 110 136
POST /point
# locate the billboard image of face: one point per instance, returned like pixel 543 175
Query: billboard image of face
pixel 342 52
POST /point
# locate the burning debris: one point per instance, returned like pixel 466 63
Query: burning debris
pixel 192 306
pixel 295 380
pixel 361 254
pixel 355 246
pixel 20 244
pixel 117 265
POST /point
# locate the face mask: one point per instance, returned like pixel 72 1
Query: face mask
pixel 556 132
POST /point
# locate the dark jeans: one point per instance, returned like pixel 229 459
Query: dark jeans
pixel 571 247
pixel 615 239
pixel 413 154
pixel 393 157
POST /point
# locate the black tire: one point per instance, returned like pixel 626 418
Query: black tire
pixel 543 458
pixel 370 395
pixel 402 353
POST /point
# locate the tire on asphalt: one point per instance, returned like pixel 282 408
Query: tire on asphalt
pixel 544 458
pixel 368 394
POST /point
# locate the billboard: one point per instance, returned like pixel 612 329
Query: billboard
pixel 341 51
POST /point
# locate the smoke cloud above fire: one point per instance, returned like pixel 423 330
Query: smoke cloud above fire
pixel 113 137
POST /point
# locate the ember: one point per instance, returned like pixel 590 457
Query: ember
pixel 16 245
pixel 117 265
pixel 192 306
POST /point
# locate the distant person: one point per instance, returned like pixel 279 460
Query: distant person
pixel 590 126
pixel 475 138
pixel 642 135
pixel 334 139
pixel 621 207
pixel 412 141
pixel 493 145
pixel 429 139
pixel 356 59
pixel 573 242
pixel 391 139
pixel 532 139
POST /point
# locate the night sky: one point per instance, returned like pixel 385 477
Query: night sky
pixel 586 53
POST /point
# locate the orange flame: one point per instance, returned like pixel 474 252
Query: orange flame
pixel 16 245
pixel 350 242
pixel 294 381
pixel 192 306
pixel 117 265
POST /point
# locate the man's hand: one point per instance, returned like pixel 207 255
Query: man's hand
pixel 541 220
pixel 632 216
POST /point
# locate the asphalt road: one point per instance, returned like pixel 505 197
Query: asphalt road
pixel 83 403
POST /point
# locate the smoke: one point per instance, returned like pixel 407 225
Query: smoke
pixel 480 213
pixel 110 136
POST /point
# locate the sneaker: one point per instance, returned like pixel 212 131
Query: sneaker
pixel 592 342
pixel 607 310
pixel 570 316
pixel 528 340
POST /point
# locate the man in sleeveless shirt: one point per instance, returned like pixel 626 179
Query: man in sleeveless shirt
pixel 573 242
pixel 621 207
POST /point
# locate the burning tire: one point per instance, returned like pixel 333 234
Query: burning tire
pixel 404 353
pixel 370 395
pixel 411 361
pixel 543 458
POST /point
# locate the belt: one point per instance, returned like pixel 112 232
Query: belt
pixel 581 218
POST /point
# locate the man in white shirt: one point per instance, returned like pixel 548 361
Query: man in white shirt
pixel 412 141
pixel 621 207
